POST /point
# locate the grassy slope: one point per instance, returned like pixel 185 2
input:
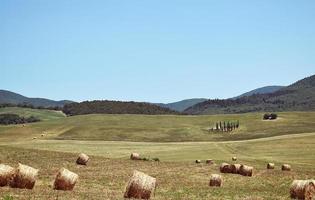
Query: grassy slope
pixel 106 177
pixel 178 176
pixel 162 128
pixel 27 112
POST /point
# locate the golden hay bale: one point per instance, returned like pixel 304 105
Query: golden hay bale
pixel 140 186
pixel 65 180
pixel 225 168
pixel 42 135
pixel 82 159
pixel 209 161
pixel 24 177
pixel 246 170
pixel 135 156
pixel 215 180
pixel 34 138
pixel 270 166
pixel 198 161
pixel 303 189
pixel 6 174
pixel 235 168
pixel 234 158
pixel 286 167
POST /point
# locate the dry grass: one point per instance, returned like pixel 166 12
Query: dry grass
pixel 106 178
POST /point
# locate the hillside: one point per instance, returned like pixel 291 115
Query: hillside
pixel 181 105
pixel 162 128
pixel 41 114
pixel 7 97
pixel 262 90
pixel 299 96
pixel 115 107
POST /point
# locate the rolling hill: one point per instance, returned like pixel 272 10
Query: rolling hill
pixel 299 96
pixel 181 105
pixel 262 90
pixel 7 97
pixel 41 114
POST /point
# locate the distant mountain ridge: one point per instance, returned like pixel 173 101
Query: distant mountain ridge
pixel 300 96
pixel 181 105
pixel 7 97
pixel 262 90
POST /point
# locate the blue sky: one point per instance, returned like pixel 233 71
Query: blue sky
pixel 157 51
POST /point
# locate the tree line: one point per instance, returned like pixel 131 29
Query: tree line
pixel 27 105
pixel 115 107
pixel 6 119
pixel 226 126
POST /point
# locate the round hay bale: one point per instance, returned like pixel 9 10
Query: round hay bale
pixel 6 174
pixel 246 170
pixel 65 180
pixel 235 168
pixel 270 166
pixel 234 159
pixel 198 161
pixel 225 168
pixel 209 161
pixel 24 177
pixel 215 180
pixel 302 189
pixel 42 135
pixel 82 159
pixel 286 167
pixel 135 156
pixel 140 186
pixel 34 138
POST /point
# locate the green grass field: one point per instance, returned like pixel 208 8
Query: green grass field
pixel 171 128
pixel 177 140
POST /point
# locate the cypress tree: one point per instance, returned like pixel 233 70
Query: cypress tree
pixel 224 126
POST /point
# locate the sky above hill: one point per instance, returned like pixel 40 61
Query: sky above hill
pixel 157 51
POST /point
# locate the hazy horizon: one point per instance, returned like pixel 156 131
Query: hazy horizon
pixel 153 51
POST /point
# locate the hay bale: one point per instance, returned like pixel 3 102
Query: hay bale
pixel 209 161
pixel 135 156
pixel 6 174
pixel 225 168
pixel 303 189
pixel 140 186
pixel 270 166
pixel 198 161
pixel 82 159
pixel 215 180
pixel 65 180
pixel 24 177
pixel 286 167
pixel 234 159
pixel 42 135
pixel 235 168
pixel 246 170
pixel 34 138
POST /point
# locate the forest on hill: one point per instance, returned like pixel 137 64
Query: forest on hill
pixel 115 107
pixel 299 96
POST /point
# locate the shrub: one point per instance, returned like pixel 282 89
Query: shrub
pixel 273 116
pixel 266 116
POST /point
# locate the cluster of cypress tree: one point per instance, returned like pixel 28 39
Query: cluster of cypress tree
pixel 226 126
